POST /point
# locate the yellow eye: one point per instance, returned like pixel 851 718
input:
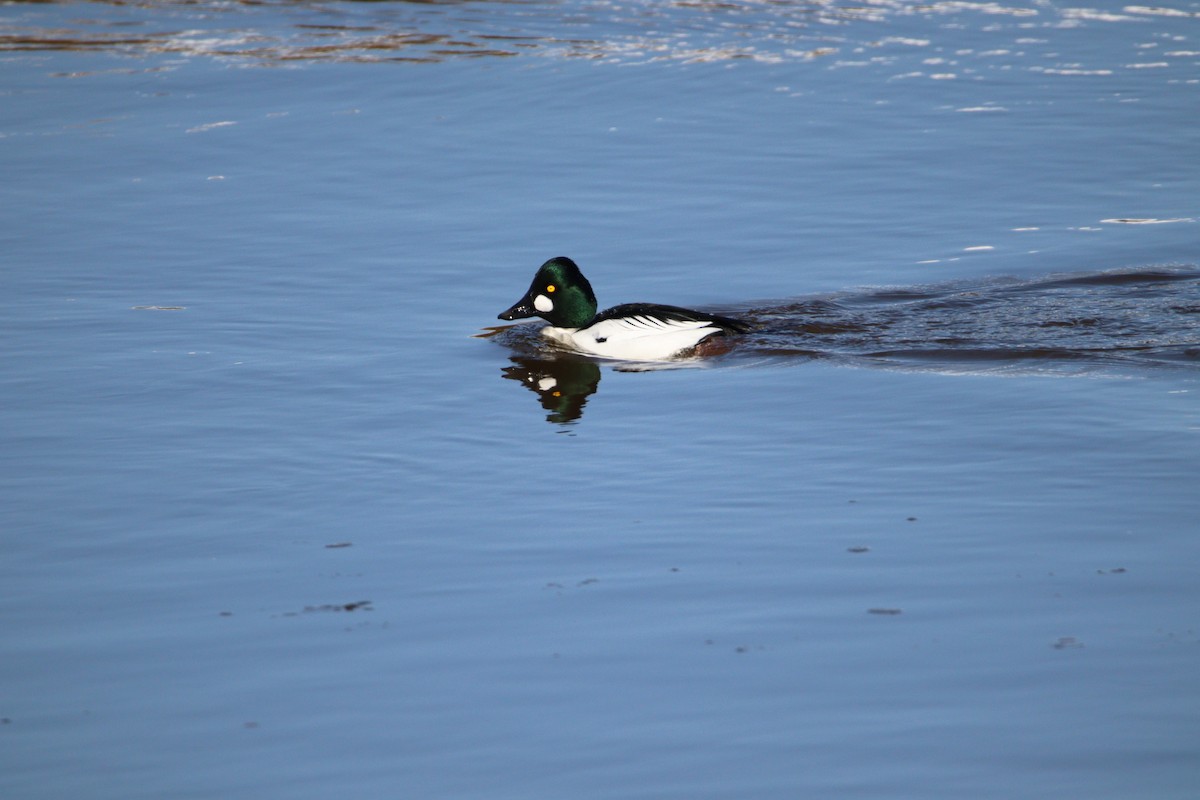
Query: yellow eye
pixel 550 288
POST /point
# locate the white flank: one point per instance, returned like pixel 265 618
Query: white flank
pixel 640 338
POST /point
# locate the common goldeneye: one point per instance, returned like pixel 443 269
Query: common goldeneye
pixel 561 295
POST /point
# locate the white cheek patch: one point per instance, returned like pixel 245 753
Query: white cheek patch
pixel 546 384
pixel 543 303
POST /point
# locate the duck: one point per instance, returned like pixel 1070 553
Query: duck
pixel 644 332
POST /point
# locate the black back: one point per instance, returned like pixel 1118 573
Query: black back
pixel 727 324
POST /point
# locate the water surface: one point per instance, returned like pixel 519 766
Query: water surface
pixel 276 524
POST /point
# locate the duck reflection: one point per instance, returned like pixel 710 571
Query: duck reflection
pixel 563 383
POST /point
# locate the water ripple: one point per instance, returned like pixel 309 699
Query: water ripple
pixel 1139 317
pixel 684 31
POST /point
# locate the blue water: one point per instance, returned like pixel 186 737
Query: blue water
pixel 276 524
